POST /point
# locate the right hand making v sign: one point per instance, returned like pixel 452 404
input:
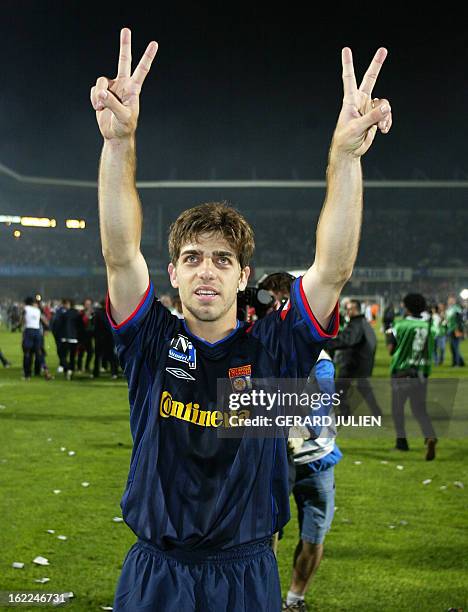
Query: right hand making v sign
pixel 116 101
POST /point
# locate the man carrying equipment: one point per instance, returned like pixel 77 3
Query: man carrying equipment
pixel 204 508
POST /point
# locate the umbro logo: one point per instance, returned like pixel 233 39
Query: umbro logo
pixel 178 373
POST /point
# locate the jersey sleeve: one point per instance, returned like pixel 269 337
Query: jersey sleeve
pixel 293 336
pixel 144 332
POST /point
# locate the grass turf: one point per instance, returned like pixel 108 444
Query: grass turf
pixel 395 544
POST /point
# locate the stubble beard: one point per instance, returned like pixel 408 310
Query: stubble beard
pixel 209 314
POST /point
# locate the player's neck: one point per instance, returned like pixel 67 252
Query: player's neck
pixel 211 331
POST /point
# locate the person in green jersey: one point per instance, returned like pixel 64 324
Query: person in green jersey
pixel 455 330
pixel 411 343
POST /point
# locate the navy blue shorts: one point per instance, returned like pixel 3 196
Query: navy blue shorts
pixel 244 579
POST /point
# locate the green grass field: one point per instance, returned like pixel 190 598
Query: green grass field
pixel 419 564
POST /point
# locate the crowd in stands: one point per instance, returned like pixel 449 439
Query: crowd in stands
pixel 284 239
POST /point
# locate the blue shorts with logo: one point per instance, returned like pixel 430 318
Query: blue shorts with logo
pixel 243 579
pixel 314 493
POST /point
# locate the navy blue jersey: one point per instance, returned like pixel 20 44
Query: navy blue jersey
pixel 189 488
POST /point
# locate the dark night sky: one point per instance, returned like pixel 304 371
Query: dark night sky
pixel 233 91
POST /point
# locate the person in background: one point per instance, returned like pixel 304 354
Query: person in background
pixel 14 317
pixel 59 331
pixel 87 333
pixel 40 365
pixel 357 344
pixel 388 316
pixel 32 338
pixel 178 307
pixel 73 331
pixel 4 361
pixel 314 493
pixel 411 344
pixel 103 343
pixel 455 331
pixel 440 329
pixel 167 301
pixel 367 311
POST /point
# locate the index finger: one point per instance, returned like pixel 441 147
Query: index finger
pixel 144 64
pixel 349 78
pixel 125 55
pixel 372 73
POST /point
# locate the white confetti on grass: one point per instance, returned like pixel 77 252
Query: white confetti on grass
pixel 106 607
pixel 117 519
pixel 459 484
pixel 391 526
pixel 357 462
pixel 42 580
pixel 41 561
pixel 63 448
pixel 384 462
pixel 443 488
pixel 51 531
pixel 71 453
pixel 427 481
pixel 61 537
pixel 85 484
pixel 17 565
pixel 2 407
pixel 403 522
pixel 49 439
pixel 57 491
pixel 400 467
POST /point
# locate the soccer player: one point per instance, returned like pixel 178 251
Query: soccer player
pixel 411 343
pixel 204 508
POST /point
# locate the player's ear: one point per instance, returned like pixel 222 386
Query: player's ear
pixel 171 269
pixel 244 277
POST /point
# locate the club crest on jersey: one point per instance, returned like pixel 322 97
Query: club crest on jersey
pixel 182 349
pixel 241 378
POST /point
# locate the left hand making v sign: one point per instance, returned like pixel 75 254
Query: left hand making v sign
pixel 360 115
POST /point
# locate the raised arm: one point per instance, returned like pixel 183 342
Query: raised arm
pixel 116 102
pixel 339 225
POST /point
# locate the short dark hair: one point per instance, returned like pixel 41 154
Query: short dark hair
pixel 212 218
pixel 356 303
pixel 279 282
pixel 415 303
pixel 29 301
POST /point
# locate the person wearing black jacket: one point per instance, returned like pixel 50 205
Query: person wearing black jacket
pixel 58 327
pixel 357 344
pixel 74 331
pixel 388 317
pixel 103 343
